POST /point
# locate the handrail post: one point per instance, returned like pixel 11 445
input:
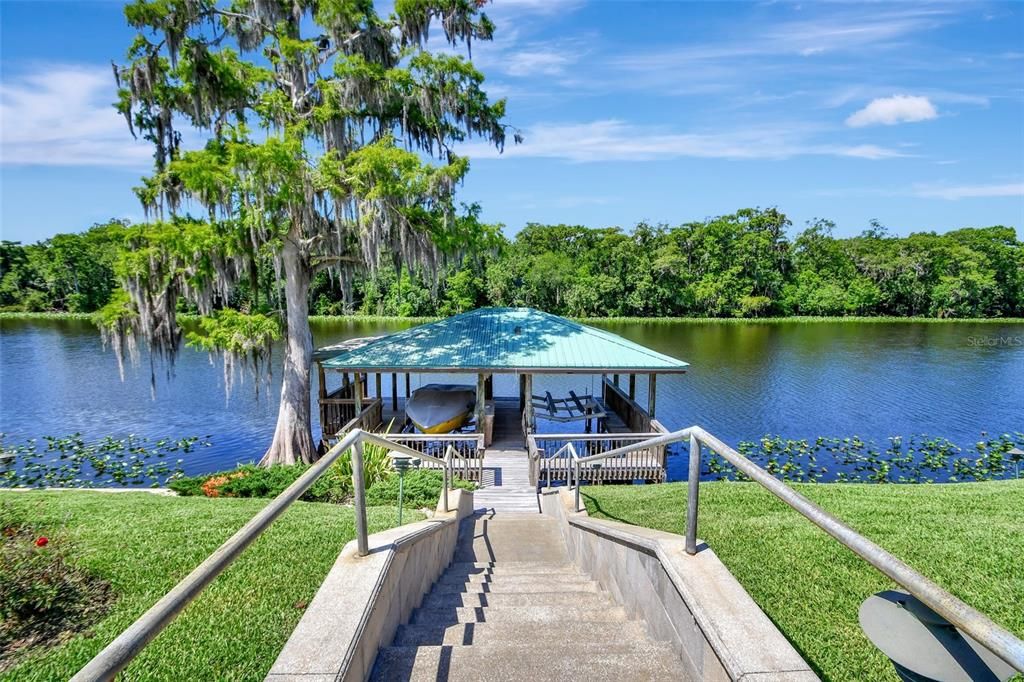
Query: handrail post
pixel 447 477
pixel 577 463
pixel 693 488
pixel 360 498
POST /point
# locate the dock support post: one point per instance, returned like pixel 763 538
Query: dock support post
pixel 322 376
pixel 528 411
pixel 632 386
pixel 481 398
pixel 652 394
pixel 394 391
pixel 693 488
pixel 408 386
pixel 357 393
pixel 377 385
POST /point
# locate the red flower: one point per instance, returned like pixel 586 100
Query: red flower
pixel 42 542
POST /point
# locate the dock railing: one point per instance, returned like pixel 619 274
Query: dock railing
pixel 999 640
pixel 466 451
pixel 549 459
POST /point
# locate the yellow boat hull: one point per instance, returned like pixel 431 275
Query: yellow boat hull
pixel 445 427
pixel 440 408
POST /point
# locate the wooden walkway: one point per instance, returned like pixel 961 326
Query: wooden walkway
pixel 506 485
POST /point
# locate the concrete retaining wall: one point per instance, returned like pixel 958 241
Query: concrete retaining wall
pixel 363 600
pixel 693 602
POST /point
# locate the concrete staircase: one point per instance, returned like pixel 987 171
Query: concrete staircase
pixel 512 607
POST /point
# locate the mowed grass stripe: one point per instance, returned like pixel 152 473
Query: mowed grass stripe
pixel 968 537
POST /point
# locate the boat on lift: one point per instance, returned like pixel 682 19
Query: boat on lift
pixel 441 408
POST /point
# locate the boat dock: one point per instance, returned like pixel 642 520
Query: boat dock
pixel 511 445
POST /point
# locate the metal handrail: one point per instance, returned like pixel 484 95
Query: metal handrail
pixel 126 646
pixel 999 640
pixel 596 436
pixel 116 655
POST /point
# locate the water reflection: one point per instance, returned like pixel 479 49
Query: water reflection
pixel 798 380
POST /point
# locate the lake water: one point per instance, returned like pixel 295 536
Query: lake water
pixel 798 380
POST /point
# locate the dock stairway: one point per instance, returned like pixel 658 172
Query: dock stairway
pixel 512 606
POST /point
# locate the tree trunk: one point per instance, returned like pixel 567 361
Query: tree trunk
pixel 293 438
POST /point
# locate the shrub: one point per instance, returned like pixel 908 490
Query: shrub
pixel 43 599
pixel 250 480
pixel 422 489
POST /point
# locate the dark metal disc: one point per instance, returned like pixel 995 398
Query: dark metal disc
pixel 919 640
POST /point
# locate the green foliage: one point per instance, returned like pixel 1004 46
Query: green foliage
pixel 71 272
pixel 736 266
pixel 235 332
pixel 421 488
pixel 323 121
pixel 43 598
pixel 70 462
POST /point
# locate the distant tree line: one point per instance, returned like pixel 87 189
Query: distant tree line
pixel 738 265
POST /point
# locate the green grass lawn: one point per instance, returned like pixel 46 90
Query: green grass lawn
pixel 143 544
pixel 967 537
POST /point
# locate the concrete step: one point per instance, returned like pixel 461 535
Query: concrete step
pixel 548 565
pixel 525 496
pixel 516 614
pixel 511 568
pixel 496 494
pixel 492 599
pixel 510 578
pixel 499 587
pixel 520 634
pixel 512 537
pixel 497 662
pixel 519 487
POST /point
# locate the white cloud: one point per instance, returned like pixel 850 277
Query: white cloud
pixel 869 151
pixel 845 95
pixel 955 192
pixel 893 110
pixel 851 30
pixel 61 115
pixel 615 140
pixel 530 62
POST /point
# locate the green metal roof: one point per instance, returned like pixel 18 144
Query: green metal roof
pixel 503 340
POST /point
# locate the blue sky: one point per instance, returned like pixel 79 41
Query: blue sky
pixel 911 113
